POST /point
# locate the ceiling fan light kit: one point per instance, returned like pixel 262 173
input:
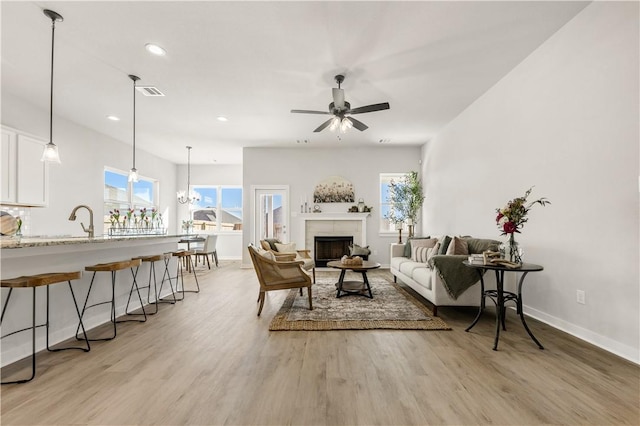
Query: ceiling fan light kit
pixel 341 111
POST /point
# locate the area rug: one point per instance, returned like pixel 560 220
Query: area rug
pixel 392 307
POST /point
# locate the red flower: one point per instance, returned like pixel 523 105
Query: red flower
pixel 500 215
pixel 509 227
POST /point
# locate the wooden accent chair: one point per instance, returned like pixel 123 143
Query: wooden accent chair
pixel 277 275
pixel 303 255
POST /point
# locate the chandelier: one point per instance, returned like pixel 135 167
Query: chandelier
pixel 193 196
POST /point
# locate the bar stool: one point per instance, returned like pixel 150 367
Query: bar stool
pixel 34 281
pixel 113 267
pixel 152 273
pixel 186 256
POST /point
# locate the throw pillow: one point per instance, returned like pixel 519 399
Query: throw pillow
pixel 444 245
pixel 458 246
pixel 266 253
pixel 356 250
pixel 272 243
pixel 422 254
pixel 407 246
pixel 285 248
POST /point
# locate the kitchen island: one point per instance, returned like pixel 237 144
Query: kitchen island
pixel 36 255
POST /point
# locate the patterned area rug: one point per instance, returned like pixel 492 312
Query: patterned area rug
pixel 391 308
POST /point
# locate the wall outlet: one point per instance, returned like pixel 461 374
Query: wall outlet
pixel 581 297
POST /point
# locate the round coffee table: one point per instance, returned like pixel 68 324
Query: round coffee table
pixel 361 288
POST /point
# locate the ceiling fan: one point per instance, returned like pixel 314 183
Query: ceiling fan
pixel 342 112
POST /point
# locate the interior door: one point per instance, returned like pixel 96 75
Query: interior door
pixel 271 213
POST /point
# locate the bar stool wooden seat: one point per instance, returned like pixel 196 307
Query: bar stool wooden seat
pixel 185 256
pixel 152 259
pixel 113 268
pixel 33 282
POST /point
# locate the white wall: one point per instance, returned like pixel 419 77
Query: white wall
pixel 80 178
pixel 302 168
pixel 229 245
pixel 566 121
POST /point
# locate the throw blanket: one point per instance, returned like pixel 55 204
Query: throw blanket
pixel 456 277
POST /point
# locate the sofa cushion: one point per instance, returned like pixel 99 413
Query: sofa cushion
pixel 407 246
pixel 407 268
pixel 458 246
pixel 423 254
pixel 479 245
pixel 397 261
pixel 444 244
pixel 423 276
pixel 419 248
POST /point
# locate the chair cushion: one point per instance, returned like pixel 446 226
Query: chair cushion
pixel 285 248
pixel 272 243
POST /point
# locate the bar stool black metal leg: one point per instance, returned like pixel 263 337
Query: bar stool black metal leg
pixel 168 275
pixel 135 284
pixel 33 338
pixel 75 303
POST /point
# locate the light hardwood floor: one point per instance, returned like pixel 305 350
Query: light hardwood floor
pixel 209 360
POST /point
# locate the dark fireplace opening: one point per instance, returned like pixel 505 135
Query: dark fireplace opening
pixel 330 248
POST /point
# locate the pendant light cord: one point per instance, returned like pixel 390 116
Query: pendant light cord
pixel 134 123
pixel 53 34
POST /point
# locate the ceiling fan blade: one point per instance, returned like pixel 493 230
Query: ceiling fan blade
pixel 307 111
pixel 324 125
pixel 338 98
pixel 358 124
pixel 370 108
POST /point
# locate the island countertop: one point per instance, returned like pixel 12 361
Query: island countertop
pixel 58 240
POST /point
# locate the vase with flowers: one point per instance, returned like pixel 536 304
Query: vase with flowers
pixel 510 220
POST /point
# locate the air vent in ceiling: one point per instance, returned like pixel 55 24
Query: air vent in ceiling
pixel 149 91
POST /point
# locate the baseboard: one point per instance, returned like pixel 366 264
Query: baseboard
pixel 627 352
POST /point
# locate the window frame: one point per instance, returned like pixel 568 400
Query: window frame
pixel 130 201
pixel 219 200
pixel 383 203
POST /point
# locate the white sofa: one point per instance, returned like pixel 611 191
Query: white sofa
pixel 427 282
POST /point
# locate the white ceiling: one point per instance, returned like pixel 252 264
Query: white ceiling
pixel 255 61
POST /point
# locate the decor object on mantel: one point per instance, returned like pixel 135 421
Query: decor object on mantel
pixel 193 196
pixel 334 189
pixel 511 218
pixel 361 207
pixel 50 153
pixel 406 198
pixel 392 308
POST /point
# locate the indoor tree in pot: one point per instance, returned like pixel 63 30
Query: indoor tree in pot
pixel 407 198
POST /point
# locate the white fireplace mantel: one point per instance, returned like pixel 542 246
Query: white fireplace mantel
pixel 309 218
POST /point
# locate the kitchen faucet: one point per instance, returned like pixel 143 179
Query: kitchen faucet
pixel 72 216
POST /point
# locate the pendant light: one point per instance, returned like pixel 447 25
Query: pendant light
pixel 133 173
pixel 192 197
pixel 50 153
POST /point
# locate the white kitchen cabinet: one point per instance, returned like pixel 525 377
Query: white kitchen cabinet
pixel 24 176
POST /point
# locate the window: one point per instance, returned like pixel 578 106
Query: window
pixel 386 207
pixel 219 208
pixel 120 194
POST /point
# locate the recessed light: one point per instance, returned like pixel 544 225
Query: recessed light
pixel 113 118
pixel 222 118
pixel 155 49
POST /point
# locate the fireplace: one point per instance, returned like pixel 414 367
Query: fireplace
pixel 328 248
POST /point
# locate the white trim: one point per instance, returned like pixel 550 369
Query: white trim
pixel 610 345
pixel 252 205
